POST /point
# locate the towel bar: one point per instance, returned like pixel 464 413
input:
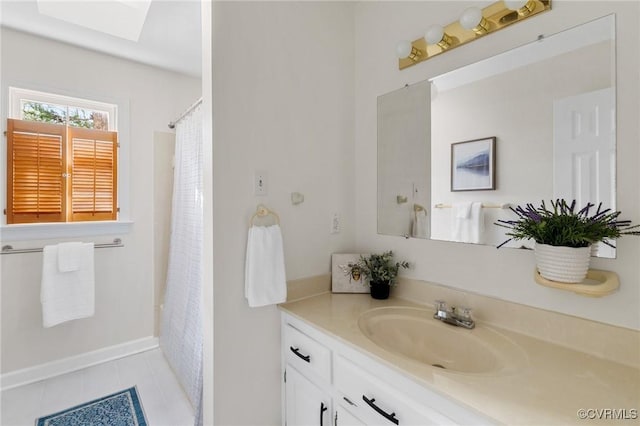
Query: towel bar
pixel 8 249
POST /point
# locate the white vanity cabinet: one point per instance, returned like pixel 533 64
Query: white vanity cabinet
pixel 376 402
pixel 328 382
pixel 307 366
pixel 343 417
pixel 306 403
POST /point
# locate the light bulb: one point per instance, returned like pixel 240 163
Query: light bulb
pixel 524 7
pixel 434 34
pixel 403 49
pixel 471 18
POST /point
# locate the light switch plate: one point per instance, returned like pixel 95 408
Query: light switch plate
pixel 260 183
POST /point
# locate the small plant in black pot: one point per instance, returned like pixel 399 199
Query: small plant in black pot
pixel 381 271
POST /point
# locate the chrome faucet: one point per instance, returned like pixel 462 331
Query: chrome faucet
pixel 460 317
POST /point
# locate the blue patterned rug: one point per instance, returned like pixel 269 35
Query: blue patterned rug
pixel 119 409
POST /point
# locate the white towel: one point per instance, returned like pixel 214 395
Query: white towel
pixel 69 256
pixel 265 282
pixel 469 229
pixel 462 210
pixel 66 296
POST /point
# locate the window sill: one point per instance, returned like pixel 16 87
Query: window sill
pixel 45 231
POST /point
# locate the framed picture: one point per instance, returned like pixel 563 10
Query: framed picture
pixel 473 165
pixel 345 279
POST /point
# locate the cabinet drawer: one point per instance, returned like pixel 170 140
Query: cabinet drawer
pixel 374 402
pixel 344 418
pixel 310 357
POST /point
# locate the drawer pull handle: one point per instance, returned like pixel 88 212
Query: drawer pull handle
pixel 297 352
pixel 391 417
pixel 349 401
pixel 323 408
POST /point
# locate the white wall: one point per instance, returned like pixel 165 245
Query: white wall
pixel 505 274
pixel 207 238
pixel 124 276
pixel 283 103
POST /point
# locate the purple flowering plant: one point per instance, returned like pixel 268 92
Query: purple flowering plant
pixel 564 225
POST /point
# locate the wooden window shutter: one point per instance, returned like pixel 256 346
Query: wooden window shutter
pixel 35 168
pixel 93 166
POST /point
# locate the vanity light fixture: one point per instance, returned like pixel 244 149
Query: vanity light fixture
pixel 523 7
pixel 404 49
pixel 473 23
pixel 436 35
pixel 473 20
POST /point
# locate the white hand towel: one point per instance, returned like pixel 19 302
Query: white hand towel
pixel 462 210
pixel 468 229
pixel 66 296
pixel 265 282
pixel 69 256
pixel 476 223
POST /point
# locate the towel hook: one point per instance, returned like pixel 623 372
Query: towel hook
pixel 263 211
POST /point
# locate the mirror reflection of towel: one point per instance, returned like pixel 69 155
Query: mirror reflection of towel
pixel 462 210
pixel 467 223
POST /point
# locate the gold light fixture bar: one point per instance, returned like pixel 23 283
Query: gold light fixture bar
pixel 495 17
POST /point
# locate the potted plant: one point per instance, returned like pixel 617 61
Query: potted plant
pixel 381 271
pixel 564 235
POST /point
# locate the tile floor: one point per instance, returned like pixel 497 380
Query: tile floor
pixel 164 401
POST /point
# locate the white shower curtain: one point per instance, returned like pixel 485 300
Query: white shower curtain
pixel 181 326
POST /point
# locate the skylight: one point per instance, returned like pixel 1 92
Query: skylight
pixel 120 18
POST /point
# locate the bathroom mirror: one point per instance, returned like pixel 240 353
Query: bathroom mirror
pixel 404 160
pixel 549 104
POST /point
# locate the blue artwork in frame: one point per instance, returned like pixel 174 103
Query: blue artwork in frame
pixel 473 165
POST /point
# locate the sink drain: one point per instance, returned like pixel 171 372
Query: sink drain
pixel 439 366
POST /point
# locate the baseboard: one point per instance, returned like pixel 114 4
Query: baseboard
pixel 74 363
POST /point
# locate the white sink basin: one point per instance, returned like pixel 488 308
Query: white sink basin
pixel 413 333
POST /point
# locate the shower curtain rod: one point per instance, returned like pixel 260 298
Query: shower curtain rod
pixel 172 124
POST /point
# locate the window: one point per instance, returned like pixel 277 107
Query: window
pixel 60 114
pixel 58 109
pixel 61 160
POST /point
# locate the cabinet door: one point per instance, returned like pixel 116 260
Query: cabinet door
pixel 345 418
pixel 306 404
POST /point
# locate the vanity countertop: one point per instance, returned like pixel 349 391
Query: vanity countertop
pixel 556 383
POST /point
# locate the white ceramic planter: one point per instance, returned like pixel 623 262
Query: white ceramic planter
pixel 563 264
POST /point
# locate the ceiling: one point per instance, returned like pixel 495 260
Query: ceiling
pixel 169 37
